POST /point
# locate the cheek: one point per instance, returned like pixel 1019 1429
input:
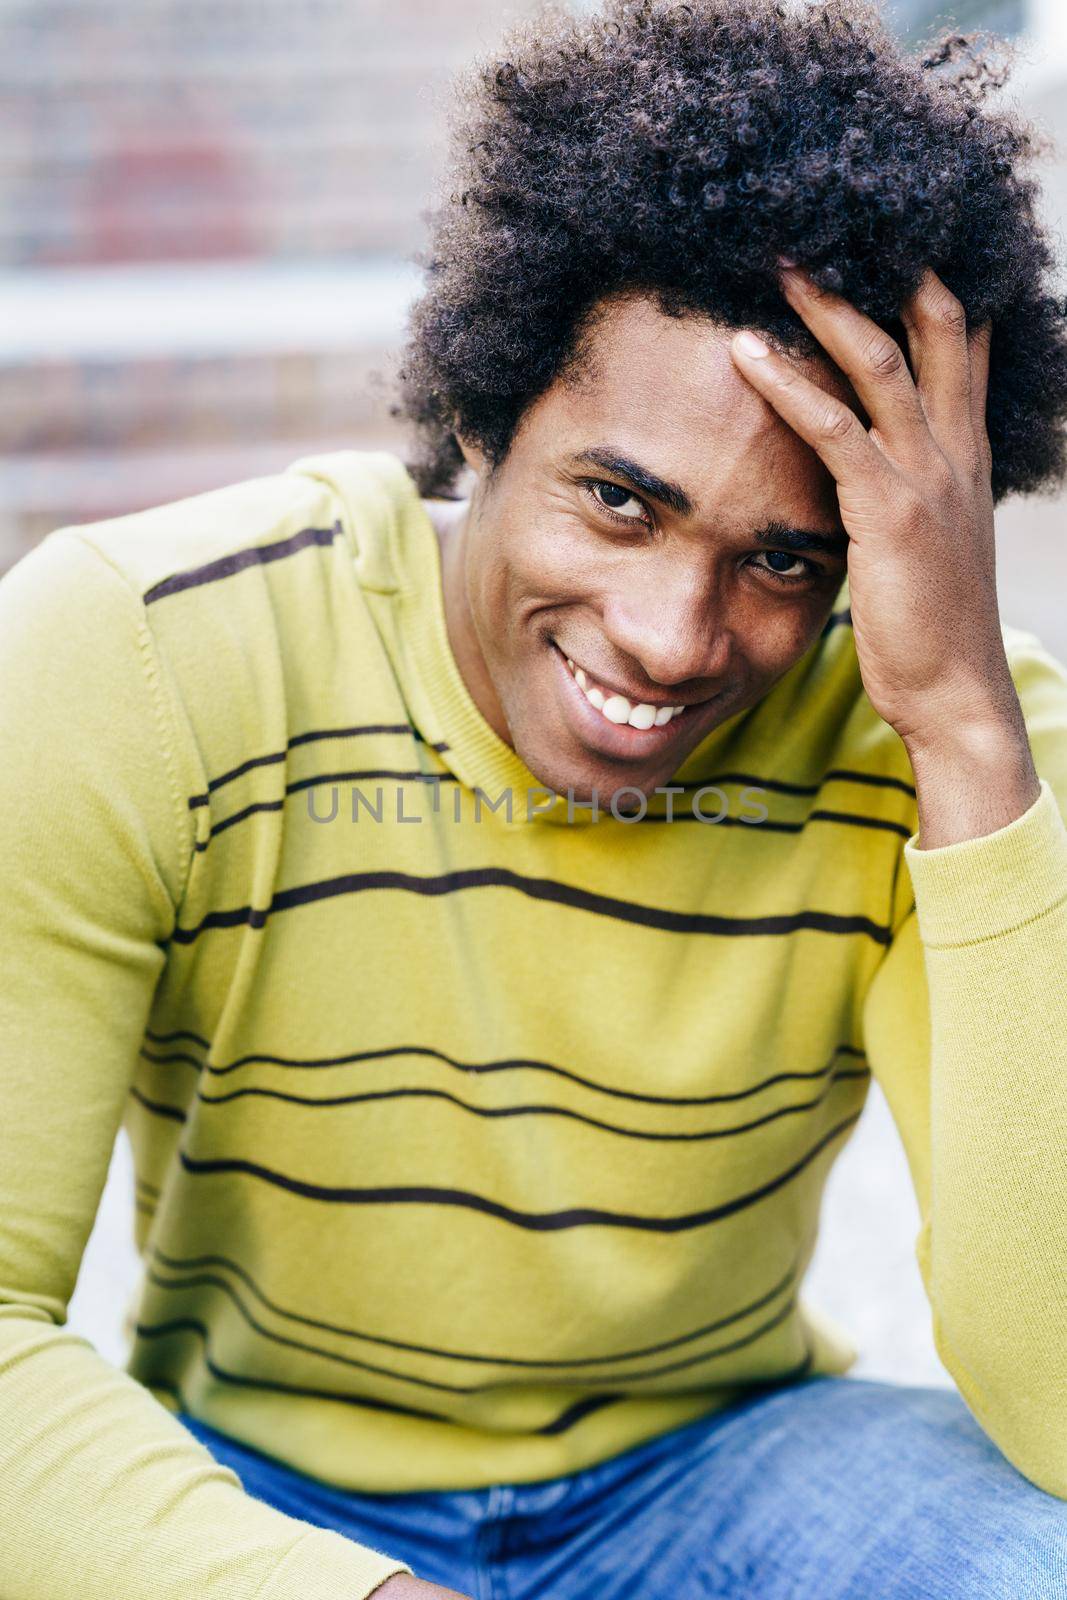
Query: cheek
pixel 546 565
pixel 770 639
pixel 506 593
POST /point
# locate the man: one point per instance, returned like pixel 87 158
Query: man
pixel 486 916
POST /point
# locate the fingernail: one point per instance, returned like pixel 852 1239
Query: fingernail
pixel 786 261
pixel 750 344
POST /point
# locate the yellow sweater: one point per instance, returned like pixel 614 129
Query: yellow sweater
pixel 469 1149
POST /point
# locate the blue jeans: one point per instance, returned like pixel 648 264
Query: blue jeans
pixel 827 1489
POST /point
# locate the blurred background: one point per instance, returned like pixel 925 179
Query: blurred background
pixel 207 214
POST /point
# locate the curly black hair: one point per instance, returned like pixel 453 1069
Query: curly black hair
pixel 676 150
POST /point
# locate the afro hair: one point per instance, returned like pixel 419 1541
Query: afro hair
pixel 676 150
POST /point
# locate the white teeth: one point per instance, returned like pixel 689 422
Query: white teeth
pixel 617 708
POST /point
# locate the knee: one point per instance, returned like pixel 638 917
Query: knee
pixel 1018 1550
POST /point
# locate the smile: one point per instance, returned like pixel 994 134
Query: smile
pixel 617 708
pixel 621 728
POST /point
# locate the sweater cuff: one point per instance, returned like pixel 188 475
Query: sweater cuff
pixel 980 888
pixel 324 1565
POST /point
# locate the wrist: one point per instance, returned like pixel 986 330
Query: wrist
pixel 980 744
pixel 971 778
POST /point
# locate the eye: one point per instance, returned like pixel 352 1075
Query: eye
pixel 610 496
pixel 779 563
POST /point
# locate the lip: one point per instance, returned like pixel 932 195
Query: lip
pixel 634 699
pixel 619 739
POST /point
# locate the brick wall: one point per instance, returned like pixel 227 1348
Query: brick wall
pixel 171 129
pixel 251 132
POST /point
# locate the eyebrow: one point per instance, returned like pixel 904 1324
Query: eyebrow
pixel 776 533
pixel 662 489
pixel 783 537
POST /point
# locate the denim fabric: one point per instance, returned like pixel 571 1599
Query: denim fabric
pixel 827 1489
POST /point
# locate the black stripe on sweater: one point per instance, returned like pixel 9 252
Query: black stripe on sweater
pixel 566 1419
pixel 308 783
pixel 875 780
pixel 550 890
pixel 479 1358
pixel 156 1107
pixel 578 1411
pixel 751 825
pixel 211 1280
pixel 178 1033
pixel 273 757
pixel 491 1112
pixel 535 1221
pixel 251 556
pixel 501 1064
pixel 772 785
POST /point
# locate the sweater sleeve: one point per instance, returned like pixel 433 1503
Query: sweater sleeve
pixel 104 1494
pixel 965 1026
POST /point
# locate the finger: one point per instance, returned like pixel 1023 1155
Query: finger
pixel 831 428
pixel 871 359
pixel 938 345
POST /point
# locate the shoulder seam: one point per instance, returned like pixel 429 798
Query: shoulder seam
pixel 164 725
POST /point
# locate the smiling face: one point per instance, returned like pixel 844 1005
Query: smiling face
pixel 656 524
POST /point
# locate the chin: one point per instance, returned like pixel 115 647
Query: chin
pixel 550 771
pixel 583 776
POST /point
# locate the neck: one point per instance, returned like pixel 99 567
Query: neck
pixel 451 520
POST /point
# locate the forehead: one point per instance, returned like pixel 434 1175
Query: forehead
pixel 667 389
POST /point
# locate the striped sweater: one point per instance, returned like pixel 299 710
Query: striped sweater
pixel 477 1137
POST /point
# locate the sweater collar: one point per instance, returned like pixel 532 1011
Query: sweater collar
pixel 396 555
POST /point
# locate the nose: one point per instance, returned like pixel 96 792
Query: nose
pixel 672 629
